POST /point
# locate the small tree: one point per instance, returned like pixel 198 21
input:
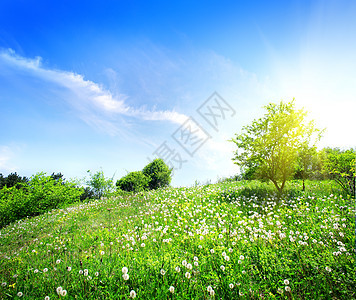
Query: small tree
pixel 270 144
pixel 100 185
pixel 307 163
pixel 340 164
pixel 133 182
pixel 159 174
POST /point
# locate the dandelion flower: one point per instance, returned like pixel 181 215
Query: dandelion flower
pixel 178 269
pixel 328 269
pixel 69 269
pixel 212 251
pixel 187 275
pixel 47 298
pixel 63 293
pixel 212 293
pixel 125 270
pixel 286 281
pixel 126 276
pixel 189 266
pixel 184 263
pixel 102 252
pixel 209 288
pixel 80 272
pixel 222 268
pixel 171 289
pixel 287 288
pixel 163 272
pixel 231 285
pixel 19 294
pixel 96 274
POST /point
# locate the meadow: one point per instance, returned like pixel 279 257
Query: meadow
pixel 230 240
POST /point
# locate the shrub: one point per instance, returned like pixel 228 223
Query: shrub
pixel 133 182
pixel 159 174
pixel 41 194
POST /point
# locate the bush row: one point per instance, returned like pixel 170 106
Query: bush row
pixel 38 195
pixel 153 176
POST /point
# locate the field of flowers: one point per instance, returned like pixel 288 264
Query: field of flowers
pixel 204 242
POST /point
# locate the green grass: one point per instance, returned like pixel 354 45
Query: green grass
pixel 236 239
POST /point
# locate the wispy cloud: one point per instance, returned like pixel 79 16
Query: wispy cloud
pixel 95 104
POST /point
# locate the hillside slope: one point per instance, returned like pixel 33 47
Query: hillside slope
pixel 186 243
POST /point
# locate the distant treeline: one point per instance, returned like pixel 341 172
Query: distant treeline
pixel 22 197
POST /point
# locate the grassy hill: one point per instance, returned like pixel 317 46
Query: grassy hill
pixel 233 240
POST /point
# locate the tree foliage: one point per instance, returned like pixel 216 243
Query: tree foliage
pixel 340 164
pixel 11 180
pixel 270 145
pixel 159 174
pixel 39 195
pixel 308 164
pixel 133 182
pixel 99 184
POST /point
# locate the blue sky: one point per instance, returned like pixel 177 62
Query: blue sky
pixel 106 84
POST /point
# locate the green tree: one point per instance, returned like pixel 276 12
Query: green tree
pixel 271 144
pixel 308 163
pixel 340 164
pixel 159 174
pixel 12 180
pixel 133 182
pixel 39 195
pixel 101 186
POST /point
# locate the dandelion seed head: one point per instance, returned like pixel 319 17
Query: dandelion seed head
pixel 59 290
pixel 132 294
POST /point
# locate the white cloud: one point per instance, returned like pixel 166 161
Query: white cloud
pixel 93 102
